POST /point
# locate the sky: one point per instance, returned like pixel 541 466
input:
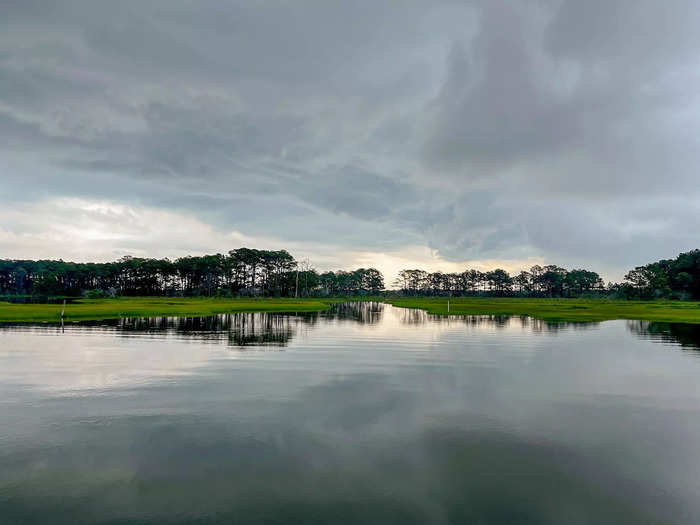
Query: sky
pixel 393 134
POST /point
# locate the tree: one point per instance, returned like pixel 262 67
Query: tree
pixel 551 280
pixel 524 282
pixel 412 281
pixel 373 281
pixel 499 281
pixel 577 282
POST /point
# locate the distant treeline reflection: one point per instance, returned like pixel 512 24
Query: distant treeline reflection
pixel 236 329
pixel 244 328
pixel 416 317
pixel 683 334
pixel 263 329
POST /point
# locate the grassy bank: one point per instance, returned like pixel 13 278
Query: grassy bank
pixel 547 309
pixel 560 309
pixel 92 309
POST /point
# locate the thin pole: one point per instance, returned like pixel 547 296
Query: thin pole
pixel 63 311
pixel 296 287
pixel 448 306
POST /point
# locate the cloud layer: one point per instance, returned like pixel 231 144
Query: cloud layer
pixel 562 131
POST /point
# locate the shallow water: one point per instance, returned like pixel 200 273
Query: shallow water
pixel 367 414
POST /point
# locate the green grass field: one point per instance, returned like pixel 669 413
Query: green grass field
pixel 546 309
pixel 92 309
pixel 560 309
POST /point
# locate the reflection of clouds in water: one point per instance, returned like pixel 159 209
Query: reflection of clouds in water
pixel 357 449
pixel 131 352
pixel 367 417
pixel 86 359
pixel 104 355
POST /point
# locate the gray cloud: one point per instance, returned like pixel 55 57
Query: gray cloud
pixel 482 129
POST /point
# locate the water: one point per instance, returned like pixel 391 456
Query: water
pixel 367 414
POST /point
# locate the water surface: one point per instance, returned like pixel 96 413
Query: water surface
pixel 366 414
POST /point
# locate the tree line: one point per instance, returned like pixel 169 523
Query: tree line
pixel 677 278
pixel 275 273
pixel 241 272
pixel 539 281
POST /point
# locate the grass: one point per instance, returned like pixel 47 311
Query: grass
pixel 93 309
pixel 559 310
pixel 547 309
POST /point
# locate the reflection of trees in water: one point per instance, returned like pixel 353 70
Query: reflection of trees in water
pixel 415 317
pixel 412 316
pixel 247 329
pixel 278 329
pixel 684 334
pixel 540 325
pixel 365 312
pixel 237 329
pixel 261 329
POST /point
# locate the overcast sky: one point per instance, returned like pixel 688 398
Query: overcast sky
pixel 356 133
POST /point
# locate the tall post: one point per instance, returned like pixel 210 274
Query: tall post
pixel 63 311
pixel 296 286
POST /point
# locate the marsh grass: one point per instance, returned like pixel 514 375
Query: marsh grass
pixel 546 309
pixel 94 309
pixel 559 309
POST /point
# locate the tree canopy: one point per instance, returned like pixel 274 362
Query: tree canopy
pixel 243 271
pixel 677 278
pixel 275 273
pixel 540 281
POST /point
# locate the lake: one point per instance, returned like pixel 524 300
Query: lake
pixel 364 414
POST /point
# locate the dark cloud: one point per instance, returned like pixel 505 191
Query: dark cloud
pixel 481 129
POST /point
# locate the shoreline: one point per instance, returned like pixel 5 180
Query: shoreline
pixel 553 310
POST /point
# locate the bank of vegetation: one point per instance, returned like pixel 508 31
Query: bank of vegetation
pixel 243 272
pixel 555 310
pixel 558 310
pixel 677 278
pixel 539 281
pixel 113 308
pixel 242 278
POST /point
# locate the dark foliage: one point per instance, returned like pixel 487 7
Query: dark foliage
pixel 540 281
pixel 244 272
pixel 251 272
pixel 677 278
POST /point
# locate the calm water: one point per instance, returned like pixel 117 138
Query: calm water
pixel 368 414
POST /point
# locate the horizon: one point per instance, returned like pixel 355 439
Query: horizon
pixel 390 278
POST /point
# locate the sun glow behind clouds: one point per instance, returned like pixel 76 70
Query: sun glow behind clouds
pixel 83 230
